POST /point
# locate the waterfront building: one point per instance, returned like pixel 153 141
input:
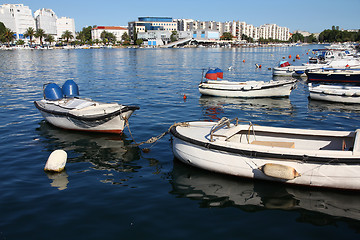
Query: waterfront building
pixel 46 20
pixel 65 24
pixel 183 24
pixel 117 31
pixel 151 23
pixel 17 17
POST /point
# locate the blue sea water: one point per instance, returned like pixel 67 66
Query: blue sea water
pixel 112 190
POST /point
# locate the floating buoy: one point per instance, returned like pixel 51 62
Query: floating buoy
pixel 279 171
pixel 289 56
pixel 244 61
pixel 56 161
pixel 184 97
pixel 269 68
pixel 257 65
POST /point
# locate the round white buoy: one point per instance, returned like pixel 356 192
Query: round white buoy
pixel 56 161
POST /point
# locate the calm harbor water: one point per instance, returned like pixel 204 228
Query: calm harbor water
pixel 111 190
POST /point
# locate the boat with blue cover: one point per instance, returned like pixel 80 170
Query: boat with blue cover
pixel 63 108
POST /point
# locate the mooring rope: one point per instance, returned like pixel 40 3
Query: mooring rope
pixel 153 140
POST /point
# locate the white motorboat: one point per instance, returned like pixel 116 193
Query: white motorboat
pixel 318 158
pixel 334 75
pixel 327 59
pixel 62 108
pixel 247 89
pixel 335 93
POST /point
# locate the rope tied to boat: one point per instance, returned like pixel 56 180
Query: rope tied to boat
pixel 153 140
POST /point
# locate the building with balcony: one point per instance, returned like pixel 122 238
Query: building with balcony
pixel 17 17
pixel 46 20
pixel 65 24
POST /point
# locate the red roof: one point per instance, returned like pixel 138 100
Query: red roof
pixel 110 28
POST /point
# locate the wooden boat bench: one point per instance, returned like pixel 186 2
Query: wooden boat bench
pixel 274 144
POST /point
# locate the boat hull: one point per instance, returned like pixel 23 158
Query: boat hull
pixel 227 159
pixel 333 76
pixel 247 90
pixel 340 94
pixel 112 122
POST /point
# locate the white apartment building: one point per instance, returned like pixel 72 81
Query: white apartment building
pixel 63 24
pixel 237 29
pixel 117 31
pixel 46 20
pixel 17 17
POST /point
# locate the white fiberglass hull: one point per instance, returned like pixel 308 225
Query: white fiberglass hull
pixel 94 116
pixel 319 168
pixel 332 93
pixel 249 89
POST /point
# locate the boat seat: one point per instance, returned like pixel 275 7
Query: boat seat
pixel 234 130
pixel 274 144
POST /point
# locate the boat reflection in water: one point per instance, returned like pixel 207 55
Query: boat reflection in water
pixel 322 106
pixel 102 151
pixel 213 107
pixel 216 190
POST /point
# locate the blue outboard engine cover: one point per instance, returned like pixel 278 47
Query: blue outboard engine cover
pixel 70 89
pixel 52 92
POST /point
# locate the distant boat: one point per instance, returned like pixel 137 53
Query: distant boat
pixel 63 108
pixel 326 58
pixel 247 89
pixel 318 158
pixel 335 93
pixel 334 75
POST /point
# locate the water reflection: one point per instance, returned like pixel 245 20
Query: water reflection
pixel 216 190
pixel 323 106
pixel 59 180
pixel 213 107
pixel 103 151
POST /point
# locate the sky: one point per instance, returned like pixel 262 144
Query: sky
pixel 306 15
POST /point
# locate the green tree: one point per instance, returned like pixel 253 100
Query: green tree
pixel 30 33
pixel 85 34
pixel 20 42
pixel 9 35
pixel 125 37
pixel 226 36
pixel 67 35
pixel 297 37
pixel 40 33
pixel 107 37
pixel 174 36
pixel 50 39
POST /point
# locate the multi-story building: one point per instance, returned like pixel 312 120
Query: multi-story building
pixel 17 17
pixel 46 20
pixel 65 24
pixel 117 31
pixel 151 23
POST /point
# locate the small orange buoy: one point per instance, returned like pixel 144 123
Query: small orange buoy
pixel 259 66
pixel 289 56
pixel 184 97
pixel 243 60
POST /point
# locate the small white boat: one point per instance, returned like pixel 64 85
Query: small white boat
pixel 318 158
pixel 335 93
pixel 247 89
pixel 62 108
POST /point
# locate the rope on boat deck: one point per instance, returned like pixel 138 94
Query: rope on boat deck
pixel 153 140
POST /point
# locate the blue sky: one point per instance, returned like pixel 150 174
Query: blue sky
pixel 308 15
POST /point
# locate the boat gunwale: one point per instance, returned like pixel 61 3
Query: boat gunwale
pixel 243 89
pixel 271 155
pixel 97 118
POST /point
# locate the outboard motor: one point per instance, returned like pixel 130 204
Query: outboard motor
pixel 219 73
pixel 52 92
pixel 70 89
pixel 211 74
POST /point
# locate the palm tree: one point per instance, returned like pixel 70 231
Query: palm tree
pixel 9 35
pixel 40 33
pixel 49 38
pixel 30 32
pixel 67 35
